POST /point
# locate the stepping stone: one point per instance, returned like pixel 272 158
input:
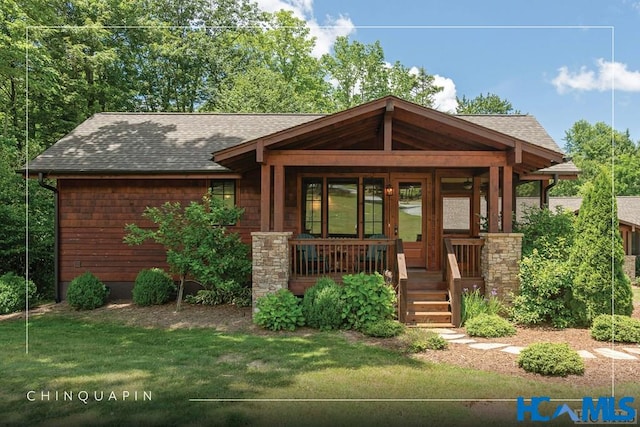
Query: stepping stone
pixel 512 349
pixel 613 354
pixel 487 345
pixel 586 355
pixel 635 350
pixel 463 341
pixel 452 336
pixel 442 331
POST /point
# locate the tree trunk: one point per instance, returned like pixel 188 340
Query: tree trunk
pixel 180 292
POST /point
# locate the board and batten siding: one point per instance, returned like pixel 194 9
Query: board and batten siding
pixel 94 212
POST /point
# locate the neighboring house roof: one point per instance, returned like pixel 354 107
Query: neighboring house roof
pixel 628 206
pixel 157 143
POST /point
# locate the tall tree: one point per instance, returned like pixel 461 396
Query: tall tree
pixel 481 104
pixel 592 146
pixel 597 255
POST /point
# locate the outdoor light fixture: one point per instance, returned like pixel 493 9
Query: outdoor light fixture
pixel 388 190
pixel 467 185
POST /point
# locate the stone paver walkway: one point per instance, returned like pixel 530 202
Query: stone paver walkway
pixel 629 353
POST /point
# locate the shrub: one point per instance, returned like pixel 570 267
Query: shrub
pixel 616 328
pixel 86 292
pixel 322 305
pixel 543 227
pixel 546 289
pixel 383 329
pixel 13 294
pixel 418 340
pixel 556 359
pixel 152 287
pixel 227 292
pixel 280 310
pixel 367 298
pixel 490 326
pixel 597 255
pixel 474 303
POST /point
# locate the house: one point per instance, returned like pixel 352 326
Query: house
pixel 357 190
pixel 628 222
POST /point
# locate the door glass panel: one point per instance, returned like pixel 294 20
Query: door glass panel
pixel 410 211
pixel 343 207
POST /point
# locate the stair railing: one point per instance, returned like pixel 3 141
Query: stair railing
pixel 454 282
pixel 401 274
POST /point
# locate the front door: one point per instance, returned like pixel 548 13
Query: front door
pixel 408 219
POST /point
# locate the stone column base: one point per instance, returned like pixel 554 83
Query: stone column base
pixel 500 259
pixel 270 252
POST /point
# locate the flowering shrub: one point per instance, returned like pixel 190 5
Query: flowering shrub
pixel 474 304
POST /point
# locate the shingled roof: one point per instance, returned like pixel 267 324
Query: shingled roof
pixel 160 143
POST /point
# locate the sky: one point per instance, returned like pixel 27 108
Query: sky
pixel 558 60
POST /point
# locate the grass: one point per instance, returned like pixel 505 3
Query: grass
pixel 176 366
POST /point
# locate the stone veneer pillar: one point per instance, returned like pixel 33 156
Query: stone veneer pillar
pixel 500 263
pixel 270 253
pixel 630 267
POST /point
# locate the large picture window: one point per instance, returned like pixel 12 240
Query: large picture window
pixel 343 207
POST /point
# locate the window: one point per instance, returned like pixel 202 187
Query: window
pixel 373 195
pixel 312 209
pixel 456 215
pixel 225 190
pixel 343 207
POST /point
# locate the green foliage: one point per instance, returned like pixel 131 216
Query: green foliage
pixel 544 229
pixel 474 303
pixel 490 104
pixel 383 329
pixel 228 292
pixel 545 295
pixel 367 298
pixel 13 293
pixel 278 311
pixel 489 326
pixel 197 244
pixel 597 256
pixel 322 305
pixel 617 328
pixel 87 292
pixel 555 359
pixel 152 287
pixel 417 340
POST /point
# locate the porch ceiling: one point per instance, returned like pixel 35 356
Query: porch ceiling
pixel 413 128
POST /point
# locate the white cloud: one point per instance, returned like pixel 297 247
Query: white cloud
pixel 445 100
pixel 325 33
pixel 608 75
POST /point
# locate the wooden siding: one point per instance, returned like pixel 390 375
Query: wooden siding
pixel 93 214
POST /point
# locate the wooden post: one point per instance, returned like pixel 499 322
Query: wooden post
pixel 278 198
pixel 475 207
pixel 265 197
pixel 494 182
pixel 507 199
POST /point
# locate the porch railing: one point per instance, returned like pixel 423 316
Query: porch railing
pixel 454 281
pixel 467 254
pixel 401 273
pixel 335 256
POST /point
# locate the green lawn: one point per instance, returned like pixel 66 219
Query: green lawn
pixel 176 366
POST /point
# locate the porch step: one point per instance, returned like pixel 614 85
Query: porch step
pixel 427 306
pixel 429 317
pixel 430 325
pixel 427 295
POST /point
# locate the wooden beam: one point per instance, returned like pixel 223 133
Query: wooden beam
pixel 494 178
pixel 260 151
pixel 507 199
pixel 404 158
pixel 278 198
pixel 265 198
pixel 514 155
pixel 388 126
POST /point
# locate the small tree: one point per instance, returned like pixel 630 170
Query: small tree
pixel 600 285
pixel 196 240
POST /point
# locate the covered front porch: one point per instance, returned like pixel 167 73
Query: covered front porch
pixel 390 186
